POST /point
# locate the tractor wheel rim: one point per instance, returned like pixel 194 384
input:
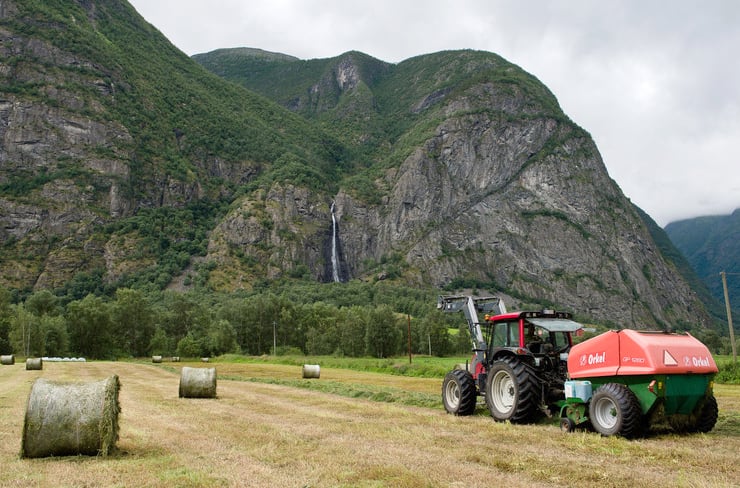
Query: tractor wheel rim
pixel 605 412
pixel 452 393
pixel 503 391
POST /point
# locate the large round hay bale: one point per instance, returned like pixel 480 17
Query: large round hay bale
pixel 156 359
pixel 7 359
pixel 34 364
pixel 67 419
pixel 311 370
pixel 198 382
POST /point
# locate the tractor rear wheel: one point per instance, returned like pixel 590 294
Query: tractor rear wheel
pixel 459 392
pixel 707 415
pixel 615 410
pixel 512 392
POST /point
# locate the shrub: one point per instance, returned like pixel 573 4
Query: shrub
pixel 729 373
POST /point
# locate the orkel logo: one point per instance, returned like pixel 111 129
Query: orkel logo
pixel 700 361
pixel 597 358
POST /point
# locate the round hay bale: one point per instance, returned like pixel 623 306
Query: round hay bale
pixel 175 359
pixel 311 370
pixel 7 359
pixel 156 359
pixel 67 419
pixel 34 364
pixel 205 360
pixel 198 382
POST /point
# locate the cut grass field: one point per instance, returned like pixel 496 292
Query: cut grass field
pixel 269 427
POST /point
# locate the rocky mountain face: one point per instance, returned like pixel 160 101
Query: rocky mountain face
pixel 450 169
pixel 498 188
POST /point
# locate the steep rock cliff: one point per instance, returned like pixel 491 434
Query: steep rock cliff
pixel 499 189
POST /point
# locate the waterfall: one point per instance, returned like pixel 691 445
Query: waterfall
pixel 334 247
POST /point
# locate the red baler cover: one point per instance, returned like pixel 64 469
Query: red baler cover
pixel 629 352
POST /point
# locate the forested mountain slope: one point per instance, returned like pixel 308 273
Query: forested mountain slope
pixel 711 245
pixel 125 163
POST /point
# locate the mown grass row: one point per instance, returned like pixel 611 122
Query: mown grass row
pixel 423 366
pixel 419 366
pixel 354 390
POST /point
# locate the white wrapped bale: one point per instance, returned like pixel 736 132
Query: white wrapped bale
pixel 34 364
pixel 198 382
pixel 156 359
pixel 311 370
pixel 7 359
pixel 68 419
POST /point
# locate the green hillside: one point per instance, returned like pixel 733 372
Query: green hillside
pixel 176 112
pixel 711 245
pixel 714 305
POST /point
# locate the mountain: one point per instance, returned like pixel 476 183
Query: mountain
pixel 673 255
pixel 126 163
pixel 711 245
pixel 117 148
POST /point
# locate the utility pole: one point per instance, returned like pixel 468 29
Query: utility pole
pixel 729 316
pixel 408 317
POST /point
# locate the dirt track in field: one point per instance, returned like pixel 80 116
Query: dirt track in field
pixel 257 434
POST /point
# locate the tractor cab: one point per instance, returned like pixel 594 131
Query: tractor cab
pixel 538 334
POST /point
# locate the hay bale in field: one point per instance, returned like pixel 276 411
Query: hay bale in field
pixel 156 359
pixel 205 360
pixel 7 359
pixel 198 382
pixel 311 370
pixel 175 359
pixel 34 364
pixel 67 419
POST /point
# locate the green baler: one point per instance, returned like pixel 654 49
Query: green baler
pixel 627 382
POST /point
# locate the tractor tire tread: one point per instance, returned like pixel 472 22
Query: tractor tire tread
pixel 468 392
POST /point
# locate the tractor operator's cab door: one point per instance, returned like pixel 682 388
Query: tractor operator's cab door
pixel 505 334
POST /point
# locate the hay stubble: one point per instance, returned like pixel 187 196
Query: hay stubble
pixel 258 434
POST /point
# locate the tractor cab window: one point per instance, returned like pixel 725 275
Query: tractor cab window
pixel 505 334
pixel 536 338
pixel 545 335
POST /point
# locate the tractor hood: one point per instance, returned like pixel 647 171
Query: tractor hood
pixel 629 352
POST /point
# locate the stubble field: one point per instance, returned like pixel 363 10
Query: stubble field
pixel 261 434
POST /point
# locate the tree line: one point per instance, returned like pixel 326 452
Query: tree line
pixel 135 323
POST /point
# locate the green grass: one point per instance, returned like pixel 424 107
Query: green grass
pixel 420 366
pixel 356 390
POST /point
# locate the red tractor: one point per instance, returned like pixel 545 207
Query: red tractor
pixel 519 361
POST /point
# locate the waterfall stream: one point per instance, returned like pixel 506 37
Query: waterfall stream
pixel 334 247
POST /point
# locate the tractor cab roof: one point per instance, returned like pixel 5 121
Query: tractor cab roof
pixel 547 319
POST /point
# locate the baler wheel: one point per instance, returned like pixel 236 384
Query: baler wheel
pixel 567 425
pixel 459 393
pixel 707 416
pixel 512 391
pixel 615 410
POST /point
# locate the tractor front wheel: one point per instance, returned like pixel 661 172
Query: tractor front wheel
pixel 512 392
pixel 615 410
pixel 459 392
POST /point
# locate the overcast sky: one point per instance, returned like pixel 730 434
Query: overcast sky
pixel 656 83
